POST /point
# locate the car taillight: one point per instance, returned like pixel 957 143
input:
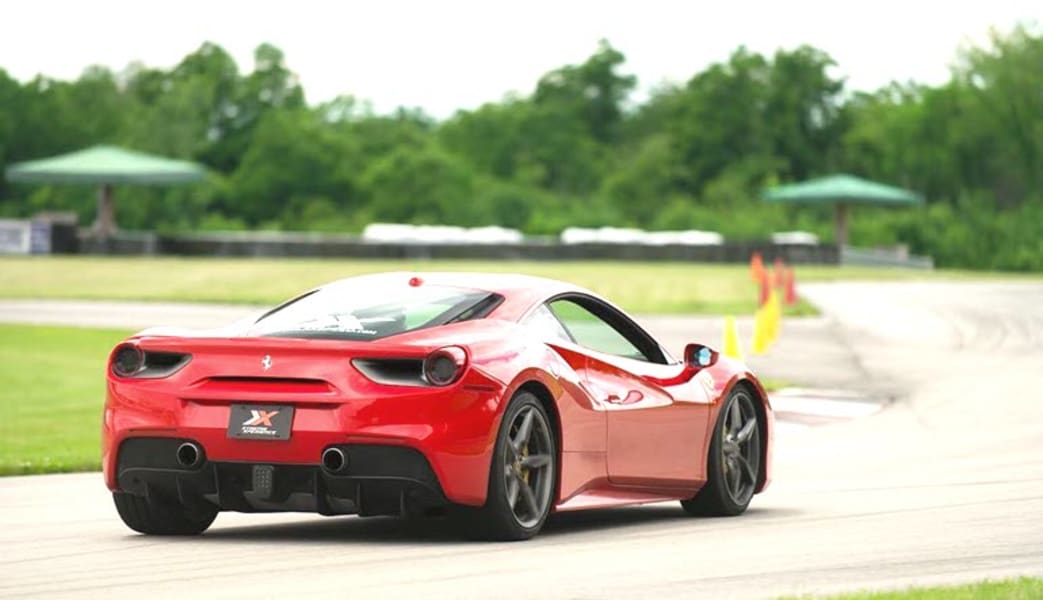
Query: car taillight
pixel 127 360
pixel 445 365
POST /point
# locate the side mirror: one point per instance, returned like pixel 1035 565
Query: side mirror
pixel 698 356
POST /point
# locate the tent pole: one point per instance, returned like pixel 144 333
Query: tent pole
pixel 840 225
pixel 105 222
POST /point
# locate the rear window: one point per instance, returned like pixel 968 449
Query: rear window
pixel 363 311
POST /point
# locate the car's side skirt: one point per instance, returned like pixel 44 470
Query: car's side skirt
pixel 605 497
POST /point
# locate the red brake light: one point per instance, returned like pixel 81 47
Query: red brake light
pixel 445 365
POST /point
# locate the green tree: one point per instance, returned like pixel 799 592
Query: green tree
pixel 801 112
pixel 719 118
pixel 238 109
pixel 293 155
pixel 423 185
pixel 492 137
pixel 594 91
pixel 1003 92
pixel 644 181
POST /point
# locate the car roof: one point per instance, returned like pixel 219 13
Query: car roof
pixel 520 292
pixel 500 283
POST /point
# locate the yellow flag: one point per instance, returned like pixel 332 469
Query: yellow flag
pixel 731 346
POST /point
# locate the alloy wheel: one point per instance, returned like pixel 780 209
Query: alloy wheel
pixel 740 449
pixel 528 466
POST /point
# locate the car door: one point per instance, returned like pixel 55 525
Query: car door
pixel 656 433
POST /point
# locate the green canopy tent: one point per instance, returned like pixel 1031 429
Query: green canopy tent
pixel 842 191
pixel 105 166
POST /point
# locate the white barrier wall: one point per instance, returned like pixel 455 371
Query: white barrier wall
pixel 25 237
pixel 15 236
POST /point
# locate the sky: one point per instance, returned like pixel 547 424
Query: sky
pixel 458 54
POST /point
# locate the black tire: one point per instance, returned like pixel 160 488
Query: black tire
pixel 509 513
pixel 733 465
pixel 154 519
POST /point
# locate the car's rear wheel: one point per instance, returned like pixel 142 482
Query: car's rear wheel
pixel 153 518
pixel 523 475
pixel 733 466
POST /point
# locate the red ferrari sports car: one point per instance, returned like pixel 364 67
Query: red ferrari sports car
pixel 500 398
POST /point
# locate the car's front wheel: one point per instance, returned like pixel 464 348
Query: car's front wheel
pixel 144 516
pixel 733 466
pixel 523 473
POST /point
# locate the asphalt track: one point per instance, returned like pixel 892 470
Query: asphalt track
pixel 944 485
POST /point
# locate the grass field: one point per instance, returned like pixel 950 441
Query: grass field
pixel 52 393
pixel 666 287
pixel 1024 588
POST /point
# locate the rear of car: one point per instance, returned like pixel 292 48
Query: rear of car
pixel 332 403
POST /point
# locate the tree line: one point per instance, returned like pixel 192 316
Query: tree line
pixel 577 150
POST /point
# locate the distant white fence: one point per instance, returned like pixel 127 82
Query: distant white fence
pixel 444 234
pixel 617 235
pixel 439 234
pixel 794 237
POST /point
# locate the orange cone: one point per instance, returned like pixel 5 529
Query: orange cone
pixel 765 288
pixel 791 287
pixel 779 273
pixel 756 267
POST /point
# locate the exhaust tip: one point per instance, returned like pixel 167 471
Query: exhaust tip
pixel 189 455
pixel 334 460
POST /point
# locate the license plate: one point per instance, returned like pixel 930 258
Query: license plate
pixel 260 422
